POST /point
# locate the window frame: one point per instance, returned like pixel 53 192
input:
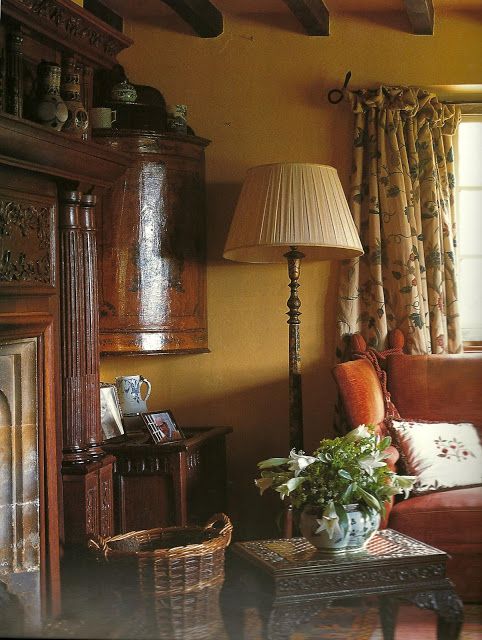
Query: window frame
pixel 468 111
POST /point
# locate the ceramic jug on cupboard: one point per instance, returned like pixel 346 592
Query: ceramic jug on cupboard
pixel 129 390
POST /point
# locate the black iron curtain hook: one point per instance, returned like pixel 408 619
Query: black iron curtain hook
pixel 336 95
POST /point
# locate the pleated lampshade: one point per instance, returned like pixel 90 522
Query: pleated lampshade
pixel 292 204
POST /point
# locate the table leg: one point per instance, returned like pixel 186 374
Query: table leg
pixel 450 613
pixel 388 607
pixel 448 607
pixel 284 619
pixel 243 590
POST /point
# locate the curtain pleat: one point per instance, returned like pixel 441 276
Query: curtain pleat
pixel 402 201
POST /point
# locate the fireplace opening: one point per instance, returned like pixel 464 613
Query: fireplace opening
pixel 20 544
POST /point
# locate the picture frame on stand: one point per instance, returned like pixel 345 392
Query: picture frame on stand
pixel 110 412
pixel 162 426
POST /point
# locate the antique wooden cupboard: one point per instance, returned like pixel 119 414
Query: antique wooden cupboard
pixel 59 487
pixel 152 246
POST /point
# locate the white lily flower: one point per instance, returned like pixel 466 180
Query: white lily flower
pixel 357 434
pixel 372 461
pixel 290 485
pixel 299 461
pixel 405 484
pixel 263 484
pixel 329 521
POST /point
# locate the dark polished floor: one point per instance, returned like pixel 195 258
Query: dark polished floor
pixel 102 601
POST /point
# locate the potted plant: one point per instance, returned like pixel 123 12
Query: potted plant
pixel 341 490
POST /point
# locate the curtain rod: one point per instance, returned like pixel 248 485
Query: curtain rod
pixel 469 107
pixel 335 96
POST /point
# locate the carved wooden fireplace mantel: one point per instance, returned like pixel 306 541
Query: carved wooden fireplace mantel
pixel 48 300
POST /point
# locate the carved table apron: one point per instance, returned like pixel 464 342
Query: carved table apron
pixel 294 580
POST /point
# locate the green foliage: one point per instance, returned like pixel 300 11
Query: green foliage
pixel 344 470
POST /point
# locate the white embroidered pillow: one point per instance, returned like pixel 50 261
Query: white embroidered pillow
pixel 441 455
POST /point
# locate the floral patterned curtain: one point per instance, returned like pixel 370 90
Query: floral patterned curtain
pixel 402 200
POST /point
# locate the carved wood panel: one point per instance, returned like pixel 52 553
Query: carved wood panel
pixel 91 506
pixel 106 492
pixel 68 25
pixel 26 239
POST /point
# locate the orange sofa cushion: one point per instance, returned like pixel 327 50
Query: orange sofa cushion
pixel 361 392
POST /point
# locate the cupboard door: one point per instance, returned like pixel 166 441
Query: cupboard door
pixel 152 247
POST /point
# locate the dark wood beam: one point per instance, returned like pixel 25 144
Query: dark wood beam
pixel 420 14
pixel 201 15
pixel 313 16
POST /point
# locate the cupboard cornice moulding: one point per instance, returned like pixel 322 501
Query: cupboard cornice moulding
pixel 71 27
pixel 31 146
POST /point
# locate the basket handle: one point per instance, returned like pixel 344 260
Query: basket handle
pixel 220 519
pixel 100 545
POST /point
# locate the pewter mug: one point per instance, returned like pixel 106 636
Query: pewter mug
pixel 102 117
pixel 129 392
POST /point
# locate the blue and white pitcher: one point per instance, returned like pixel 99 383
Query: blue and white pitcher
pixel 129 392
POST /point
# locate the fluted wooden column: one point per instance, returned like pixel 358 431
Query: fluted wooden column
pixel 92 426
pixel 79 322
pixel 87 472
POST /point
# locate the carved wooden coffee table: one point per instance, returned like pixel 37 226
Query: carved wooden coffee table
pixel 294 581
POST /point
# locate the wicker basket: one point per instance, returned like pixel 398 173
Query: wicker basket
pixel 173 560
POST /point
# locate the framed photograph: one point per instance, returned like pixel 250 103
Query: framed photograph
pixel 161 426
pixel 110 412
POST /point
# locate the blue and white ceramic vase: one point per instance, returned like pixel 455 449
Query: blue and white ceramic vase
pixel 177 118
pixel 78 120
pixel 361 527
pixel 50 109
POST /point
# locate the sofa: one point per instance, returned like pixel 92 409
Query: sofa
pixel 379 388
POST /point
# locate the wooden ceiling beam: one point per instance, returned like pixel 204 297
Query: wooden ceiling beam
pixel 421 16
pixel 201 15
pixel 313 16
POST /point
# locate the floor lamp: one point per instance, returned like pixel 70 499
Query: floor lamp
pixel 291 211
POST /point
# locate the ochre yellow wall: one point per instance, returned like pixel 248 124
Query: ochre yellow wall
pixel 259 93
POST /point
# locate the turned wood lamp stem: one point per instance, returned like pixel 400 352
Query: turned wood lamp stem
pixel 292 205
pixel 295 397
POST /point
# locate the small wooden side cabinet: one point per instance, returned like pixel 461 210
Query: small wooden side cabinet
pixel 170 484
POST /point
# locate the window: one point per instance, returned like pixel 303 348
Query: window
pixel 469 225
